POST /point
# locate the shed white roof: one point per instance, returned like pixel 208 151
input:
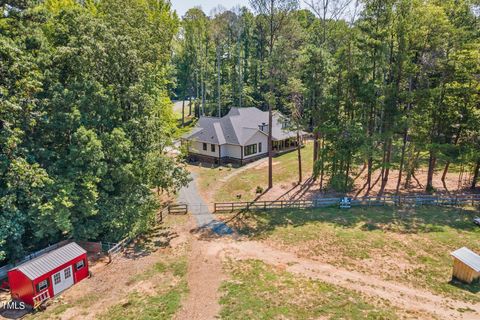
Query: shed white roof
pixel 468 257
pixel 49 261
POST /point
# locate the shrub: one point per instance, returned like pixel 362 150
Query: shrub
pixel 259 189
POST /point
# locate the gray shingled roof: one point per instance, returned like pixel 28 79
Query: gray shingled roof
pixel 237 127
pixel 49 261
pixel 468 257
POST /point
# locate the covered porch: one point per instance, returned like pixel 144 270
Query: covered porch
pixel 286 145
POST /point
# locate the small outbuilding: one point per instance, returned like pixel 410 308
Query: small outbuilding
pixel 466 265
pixel 44 277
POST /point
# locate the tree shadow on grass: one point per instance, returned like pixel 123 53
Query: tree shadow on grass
pixel 144 245
pixel 388 218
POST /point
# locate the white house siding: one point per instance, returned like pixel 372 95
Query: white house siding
pixel 231 151
pixel 257 138
pixel 197 147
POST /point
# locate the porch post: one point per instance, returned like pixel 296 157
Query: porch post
pixel 241 155
pixel 219 154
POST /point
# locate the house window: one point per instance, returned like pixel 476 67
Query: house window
pixel 259 147
pixel 250 149
pixel 42 285
pixel 212 148
pixel 204 146
pixel 79 265
pixel 56 278
pixel 68 273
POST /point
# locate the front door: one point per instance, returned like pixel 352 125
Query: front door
pixel 62 280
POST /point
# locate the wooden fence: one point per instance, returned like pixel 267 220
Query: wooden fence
pixel 364 201
pixel 116 248
pixel 179 208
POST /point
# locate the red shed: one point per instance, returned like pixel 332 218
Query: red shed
pixel 46 276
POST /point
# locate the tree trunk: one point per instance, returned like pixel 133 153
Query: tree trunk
pixel 190 106
pixel 347 172
pixel 387 164
pixel 431 169
pixel 299 154
pixel 322 168
pixel 183 109
pixel 447 164
pixel 202 110
pixel 402 160
pixel 405 139
pixel 218 82
pixel 475 175
pixel 315 147
pixel 411 171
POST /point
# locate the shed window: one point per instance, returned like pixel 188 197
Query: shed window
pixel 68 273
pixel 250 149
pixel 212 148
pixel 259 147
pixel 42 285
pixel 204 146
pixel 80 264
pixel 56 278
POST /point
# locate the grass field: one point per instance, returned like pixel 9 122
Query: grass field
pixel 411 246
pixel 211 181
pixel 259 291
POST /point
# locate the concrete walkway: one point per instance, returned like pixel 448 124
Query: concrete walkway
pixel 200 209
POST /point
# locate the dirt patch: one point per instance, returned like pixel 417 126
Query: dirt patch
pixel 111 284
pixel 402 296
pixel 204 279
pixel 310 189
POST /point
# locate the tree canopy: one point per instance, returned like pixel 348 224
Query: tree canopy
pixel 85 119
pixel 388 84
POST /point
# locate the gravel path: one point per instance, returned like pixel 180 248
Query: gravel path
pixel 200 210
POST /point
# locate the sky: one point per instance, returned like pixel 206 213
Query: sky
pixel 181 6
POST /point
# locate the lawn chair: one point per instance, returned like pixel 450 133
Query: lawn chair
pixel 476 220
pixel 345 203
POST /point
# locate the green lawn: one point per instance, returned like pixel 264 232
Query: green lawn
pixel 258 291
pixel 245 183
pixel 407 245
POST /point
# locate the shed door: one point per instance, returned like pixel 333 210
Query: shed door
pixel 62 280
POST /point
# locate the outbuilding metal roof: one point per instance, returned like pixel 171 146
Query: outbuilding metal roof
pixel 468 257
pixel 51 260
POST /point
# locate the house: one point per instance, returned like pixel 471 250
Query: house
pixel 44 277
pixel 239 137
pixel 466 265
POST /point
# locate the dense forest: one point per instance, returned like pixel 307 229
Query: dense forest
pixel 85 89
pixel 382 84
pixel 85 118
